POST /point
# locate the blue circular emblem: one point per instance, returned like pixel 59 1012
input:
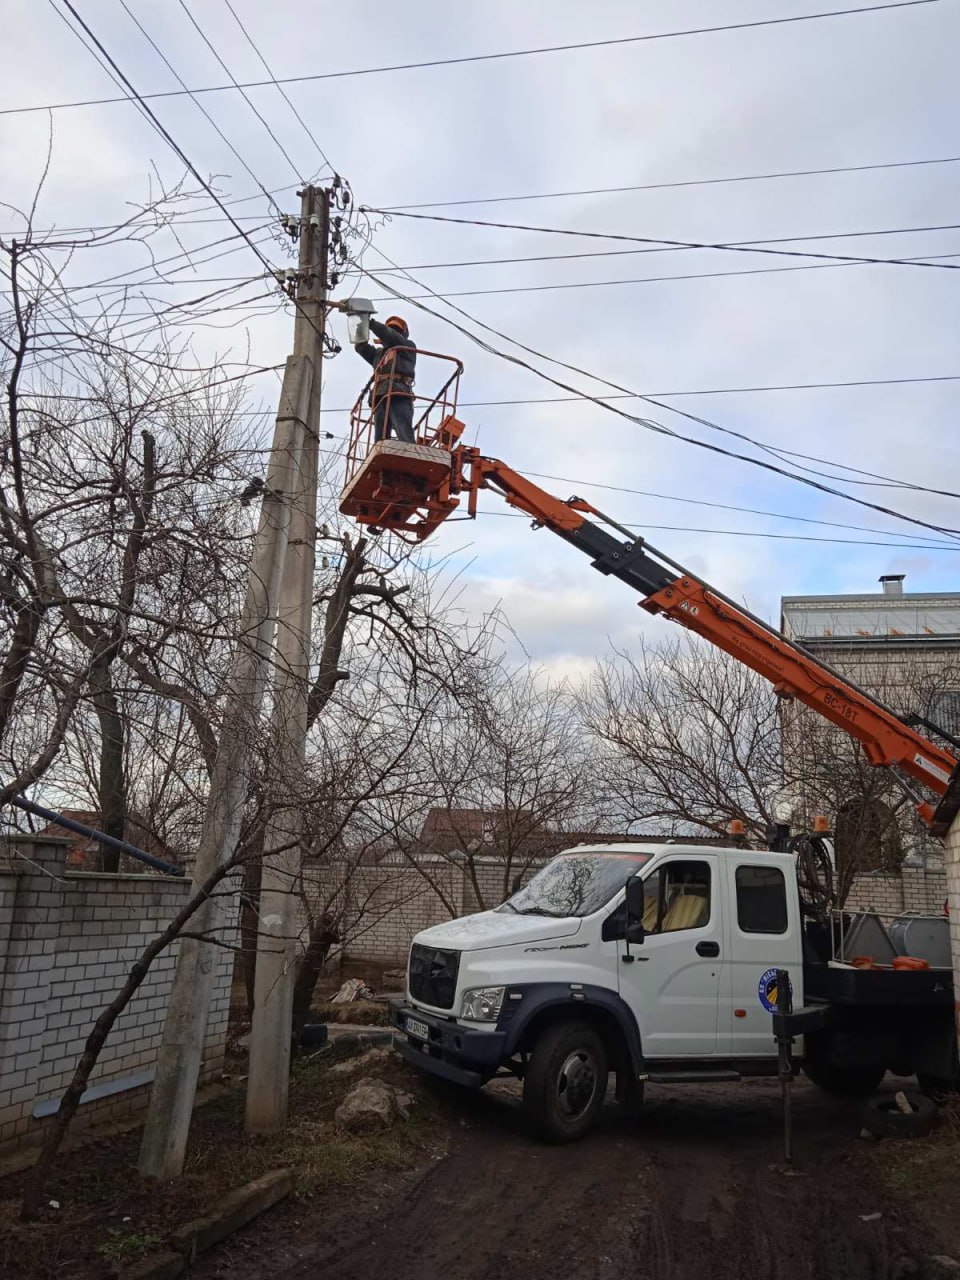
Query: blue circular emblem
pixel 767 990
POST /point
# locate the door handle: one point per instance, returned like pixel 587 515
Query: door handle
pixel 708 948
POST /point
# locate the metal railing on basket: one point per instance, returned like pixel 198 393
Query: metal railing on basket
pixel 432 415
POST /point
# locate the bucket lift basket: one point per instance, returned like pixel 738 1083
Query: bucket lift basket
pixel 408 489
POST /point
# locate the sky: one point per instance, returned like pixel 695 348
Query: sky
pixel 862 89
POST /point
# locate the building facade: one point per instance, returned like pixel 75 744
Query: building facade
pixel 904 648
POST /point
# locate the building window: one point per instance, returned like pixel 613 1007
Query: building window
pixel 761 900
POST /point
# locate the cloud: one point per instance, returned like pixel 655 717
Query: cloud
pixel 855 90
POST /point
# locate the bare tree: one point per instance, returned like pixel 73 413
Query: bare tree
pixel 691 739
pixel 505 782
pixel 685 737
pixel 120 463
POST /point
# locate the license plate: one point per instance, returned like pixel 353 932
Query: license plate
pixel 416 1028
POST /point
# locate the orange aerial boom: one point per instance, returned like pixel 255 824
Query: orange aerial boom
pixel 410 489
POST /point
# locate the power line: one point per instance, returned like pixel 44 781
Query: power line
pixel 725 506
pixel 160 128
pixel 671 186
pixel 199 105
pixel 747 533
pixel 658 427
pixel 630 253
pixel 283 94
pixel 705 391
pixel 550 195
pixel 243 93
pixel 660 496
pixel 699 391
pixel 481 57
pixel 734 533
pixel 181 220
pixel 690 275
pixel 665 245
pixel 179 152
pixel 646 423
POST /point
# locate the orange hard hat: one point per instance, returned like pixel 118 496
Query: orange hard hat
pixel 397 322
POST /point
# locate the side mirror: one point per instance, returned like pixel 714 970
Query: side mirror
pixel 636 905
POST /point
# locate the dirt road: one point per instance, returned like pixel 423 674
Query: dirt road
pixel 695 1187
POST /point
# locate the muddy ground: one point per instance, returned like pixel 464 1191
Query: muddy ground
pixel 696 1187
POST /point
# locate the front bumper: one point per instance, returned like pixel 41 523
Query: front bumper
pixel 453 1052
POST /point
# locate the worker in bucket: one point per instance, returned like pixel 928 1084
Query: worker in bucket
pixel 394 364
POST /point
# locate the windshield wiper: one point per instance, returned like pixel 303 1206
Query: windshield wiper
pixel 511 906
pixel 540 911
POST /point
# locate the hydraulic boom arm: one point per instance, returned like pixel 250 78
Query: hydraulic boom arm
pixel 668 589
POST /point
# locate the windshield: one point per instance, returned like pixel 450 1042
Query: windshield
pixel 575 884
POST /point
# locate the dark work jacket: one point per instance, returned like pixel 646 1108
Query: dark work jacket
pixel 394 364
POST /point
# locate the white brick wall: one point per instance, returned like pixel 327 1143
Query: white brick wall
pixel 914 889
pixel 67 942
pixel 385 906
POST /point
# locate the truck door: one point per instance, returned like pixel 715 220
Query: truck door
pixel 673 984
pixel 763 928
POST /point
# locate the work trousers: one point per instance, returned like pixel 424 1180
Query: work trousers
pixel 393 415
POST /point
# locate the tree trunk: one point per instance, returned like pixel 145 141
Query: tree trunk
pixel 323 935
pixel 112 791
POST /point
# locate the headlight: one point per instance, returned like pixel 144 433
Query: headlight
pixel 482 1004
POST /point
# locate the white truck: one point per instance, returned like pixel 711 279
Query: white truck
pixel 659 962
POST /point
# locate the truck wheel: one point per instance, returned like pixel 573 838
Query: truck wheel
pixel 565 1081
pixel 843 1082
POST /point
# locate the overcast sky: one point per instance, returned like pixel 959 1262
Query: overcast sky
pixel 862 89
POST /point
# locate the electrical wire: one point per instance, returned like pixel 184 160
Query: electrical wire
pixel 937 545
pixel 549 195
pixel 690 275
pixel 179 152
pixel 665 245
pixel 670 186
pixel 703 391
pixel 184 220
pixel 645 423
pixel 199 105
pixel 487 57
pixel 243 93
pixel 699 391
pixel 279 87
pixel 748 533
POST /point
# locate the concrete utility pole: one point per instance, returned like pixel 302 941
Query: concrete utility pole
pixel 268 1083
pixel 289 501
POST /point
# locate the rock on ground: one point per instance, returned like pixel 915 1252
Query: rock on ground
pixel 369 1059
pixel 370 1106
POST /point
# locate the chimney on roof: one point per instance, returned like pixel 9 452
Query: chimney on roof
pixel 892 584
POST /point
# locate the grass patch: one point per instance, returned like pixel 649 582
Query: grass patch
pixel 121 1246
pixel 107 1216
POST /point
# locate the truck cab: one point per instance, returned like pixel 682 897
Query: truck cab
pixel 568 980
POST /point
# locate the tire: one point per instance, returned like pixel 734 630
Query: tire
pixel 939 1091
pixel 884 1119
pixel 565 1081
pixel 843 1082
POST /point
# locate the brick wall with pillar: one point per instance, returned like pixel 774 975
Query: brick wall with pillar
pixel 67 941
